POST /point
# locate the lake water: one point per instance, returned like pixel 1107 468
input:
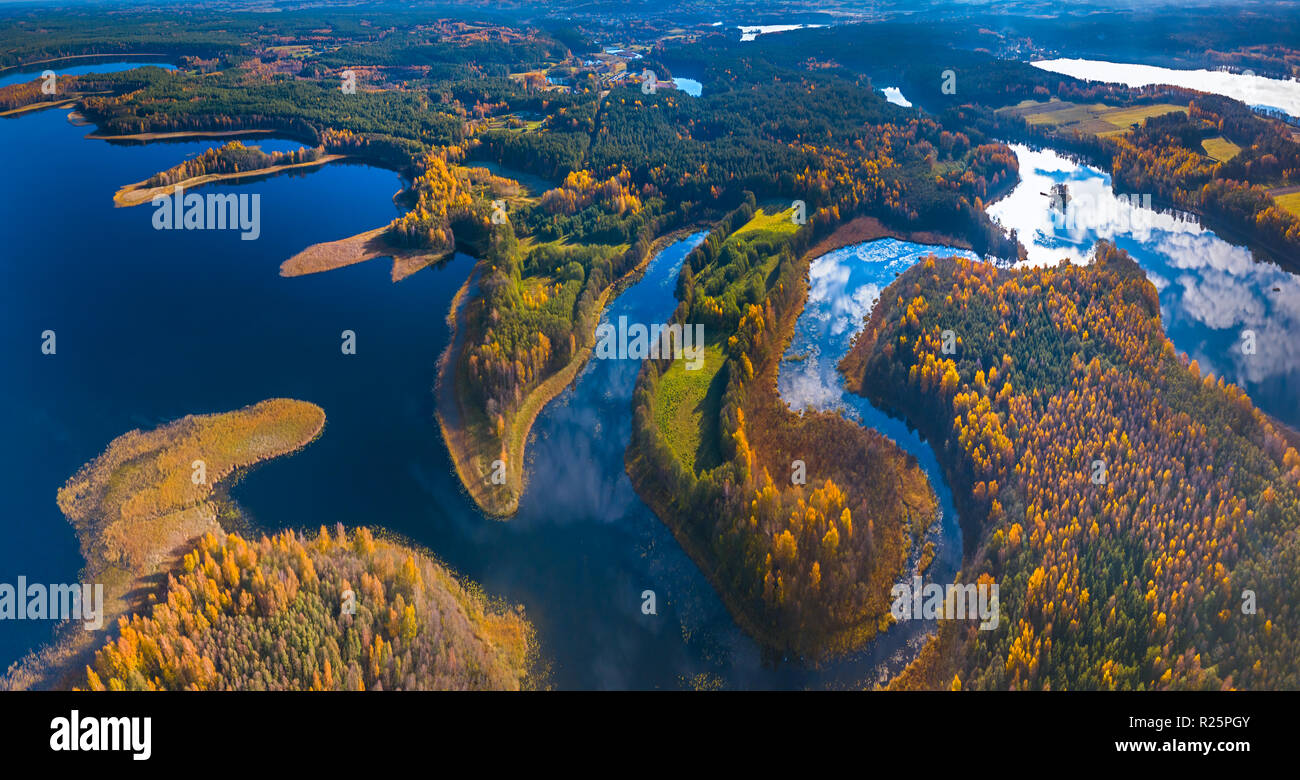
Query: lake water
pixel 1211 291
pixel 895 95
pixel 1252 90
pixel 689 86
pixel 152 325
pixel 751 32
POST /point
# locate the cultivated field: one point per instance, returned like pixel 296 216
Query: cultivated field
pixel 1096 118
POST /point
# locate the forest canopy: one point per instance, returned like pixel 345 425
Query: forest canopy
pixel 1123 501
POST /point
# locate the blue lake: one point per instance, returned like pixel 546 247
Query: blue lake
pixel 895 95
pixel 691 87
pixel 1282 94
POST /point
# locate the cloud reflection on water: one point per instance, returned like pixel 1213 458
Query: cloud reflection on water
pixel 1210 290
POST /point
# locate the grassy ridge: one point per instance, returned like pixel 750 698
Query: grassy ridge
pixel 151 490
pixel 139 505
pixel 687 407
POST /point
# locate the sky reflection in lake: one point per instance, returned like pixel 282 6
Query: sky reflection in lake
pixel 1248 88
pixel 1211 291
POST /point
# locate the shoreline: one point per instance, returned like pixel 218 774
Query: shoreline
pixel 858 637
pixel 1261 249
pixel 135 194
pixel 41 105
pixel 178 134
pixel 455 433
pixel 848 235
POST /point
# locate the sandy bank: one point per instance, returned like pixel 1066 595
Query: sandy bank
pixel 329 255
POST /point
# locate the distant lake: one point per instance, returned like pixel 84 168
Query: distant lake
pixel 750 32
pixel 689 86
pixel 895 95
pixel 33 73
pixel 1211 290
pixel 1282 94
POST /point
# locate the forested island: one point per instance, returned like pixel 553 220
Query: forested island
pixel 230 161
pixel 335 612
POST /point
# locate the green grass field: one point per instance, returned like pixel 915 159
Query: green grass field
pixel 1220 149
pixel 766 225
pixel 1123 117
pixel 687 406
pixel 1290 203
